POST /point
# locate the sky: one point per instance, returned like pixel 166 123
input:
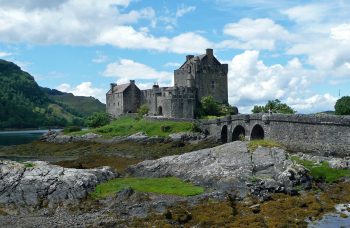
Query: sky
pixel 297 51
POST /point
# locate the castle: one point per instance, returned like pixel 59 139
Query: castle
pixel 198 77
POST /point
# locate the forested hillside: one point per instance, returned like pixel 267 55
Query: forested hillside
pixel 24 104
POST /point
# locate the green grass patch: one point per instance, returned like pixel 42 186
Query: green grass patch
pixel 167 185
pixel 127 126
pixel 254 144
pixel 28 165
pixel 322 171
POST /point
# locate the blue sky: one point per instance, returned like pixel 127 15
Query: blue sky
pixel 295 51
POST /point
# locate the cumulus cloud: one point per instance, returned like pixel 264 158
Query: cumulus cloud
pixel 341 32
pixel 312 104
pixel 307 13
pixel 254 34
pixel 84 89
pixel 126 69
pixel 88 22
pixel 4 54
pixel 252 82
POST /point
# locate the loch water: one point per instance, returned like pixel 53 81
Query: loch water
pixel 9 138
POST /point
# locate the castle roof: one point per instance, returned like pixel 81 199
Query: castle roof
pixel 119 88
pixel 200 58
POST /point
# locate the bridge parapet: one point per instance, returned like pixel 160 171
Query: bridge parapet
pixel 324 134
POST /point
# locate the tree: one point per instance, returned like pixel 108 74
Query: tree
pixel 143 110
pixel 98 119
pixel 209 106
pixel 274 106
pixel 342 106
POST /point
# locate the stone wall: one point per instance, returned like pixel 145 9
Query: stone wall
pixel 324 134
pixel 131 99
pixel 114 104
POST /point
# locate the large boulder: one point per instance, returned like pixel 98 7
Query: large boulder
pixel 36 184
pixel 229 166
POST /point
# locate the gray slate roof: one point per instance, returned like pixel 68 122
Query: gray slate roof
pixel 120 88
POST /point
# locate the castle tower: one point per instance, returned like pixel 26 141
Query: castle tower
pixel 209 76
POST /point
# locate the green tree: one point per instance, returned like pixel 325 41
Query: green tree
pixel 342 106
pixel 143 110
pixel 209 106
pixel 274 106
pixel 98 119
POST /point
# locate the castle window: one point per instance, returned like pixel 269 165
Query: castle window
pixel 212 84
pixel 118 103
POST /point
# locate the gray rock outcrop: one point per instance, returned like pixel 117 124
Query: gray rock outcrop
pixel 36 184
pixel 230 166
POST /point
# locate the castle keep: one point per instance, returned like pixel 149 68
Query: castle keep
pixel 198 77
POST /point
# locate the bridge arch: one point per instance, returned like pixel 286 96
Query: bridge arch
pixel 224 134
pixel 257 132
pixel 238 132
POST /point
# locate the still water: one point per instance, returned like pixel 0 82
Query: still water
pixel 8 138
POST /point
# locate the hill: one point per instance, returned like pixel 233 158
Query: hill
pixel 24 104
pixel 86 105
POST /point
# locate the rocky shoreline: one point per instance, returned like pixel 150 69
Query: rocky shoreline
pixel 40 194
pixel 139 137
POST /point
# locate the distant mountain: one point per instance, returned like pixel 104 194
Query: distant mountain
pixel 81 106
pixel 24 104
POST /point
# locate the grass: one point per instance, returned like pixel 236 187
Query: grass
pixel 254 144
pixel 28 165
pixel 127 126
pixel 322 171
pixel 167 185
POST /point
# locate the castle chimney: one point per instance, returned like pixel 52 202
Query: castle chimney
pixel 132 81
pixel 188 57
pixel 112 85
pixel 210 54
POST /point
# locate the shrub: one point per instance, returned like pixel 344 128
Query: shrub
pixel 71 129
pixel 195 128
pixel 143 110
pixel 98 119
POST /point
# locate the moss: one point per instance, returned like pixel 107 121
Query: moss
pixel 29 165
pixel 167 185
pixel 254 144
pixel 322 171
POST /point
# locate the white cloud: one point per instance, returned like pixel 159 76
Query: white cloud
pixel 172 65
pixel 88 22
pixel 254 34
pixel 307 13
pixel 139 40
pixel 184 10
pixel 341 32
pixel 315 103
pixel 252 82
pixel 4 54
pixel 84 89
pixel 126 69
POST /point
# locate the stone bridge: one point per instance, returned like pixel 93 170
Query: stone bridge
pixel 324 134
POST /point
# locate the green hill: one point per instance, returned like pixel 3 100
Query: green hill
pixel 86 105
pixel 24 104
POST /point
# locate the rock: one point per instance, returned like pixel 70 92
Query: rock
pixel 90 136
pixel 186 136
pixel 36 184
pixel 139 136
pixel 229 166
pixel 255 208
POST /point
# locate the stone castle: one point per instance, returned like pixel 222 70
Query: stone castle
pixel 198 77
